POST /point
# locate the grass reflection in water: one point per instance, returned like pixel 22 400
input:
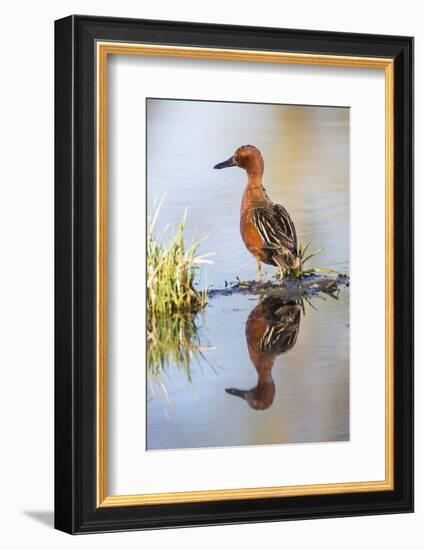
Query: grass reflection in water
pixel 173 342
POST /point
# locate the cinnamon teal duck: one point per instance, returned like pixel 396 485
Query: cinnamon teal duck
pixel 266 228
pixel 271 329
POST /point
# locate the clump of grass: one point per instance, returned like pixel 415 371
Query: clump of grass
pixel 172 304
pixel 304 256
pixel 171 271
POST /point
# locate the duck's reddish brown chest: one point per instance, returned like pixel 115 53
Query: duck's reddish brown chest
pixel 250 235
pixel 256 327
pixel 248 231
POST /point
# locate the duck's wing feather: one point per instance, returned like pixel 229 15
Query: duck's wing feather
pixel 281 335
pixel 286 224
pixel 275 227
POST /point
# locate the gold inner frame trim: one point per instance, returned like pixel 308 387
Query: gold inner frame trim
pixel 104 49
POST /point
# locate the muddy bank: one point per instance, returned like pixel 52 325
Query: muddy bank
pixel 310 285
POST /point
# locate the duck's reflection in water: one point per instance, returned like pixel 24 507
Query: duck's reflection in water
pixel 271 329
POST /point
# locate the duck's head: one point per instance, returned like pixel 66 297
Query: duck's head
pixel 259 398
pixel 247 157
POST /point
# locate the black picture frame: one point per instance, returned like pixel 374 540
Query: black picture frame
pixel 76 510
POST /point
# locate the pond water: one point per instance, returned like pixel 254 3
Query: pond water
pixel 236 395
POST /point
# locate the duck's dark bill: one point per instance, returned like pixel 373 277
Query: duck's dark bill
pixel 225 164
pixel 238 393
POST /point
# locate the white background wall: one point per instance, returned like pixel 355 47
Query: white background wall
pixel 26 274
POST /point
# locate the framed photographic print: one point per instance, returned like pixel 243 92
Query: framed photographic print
pixel 233 265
